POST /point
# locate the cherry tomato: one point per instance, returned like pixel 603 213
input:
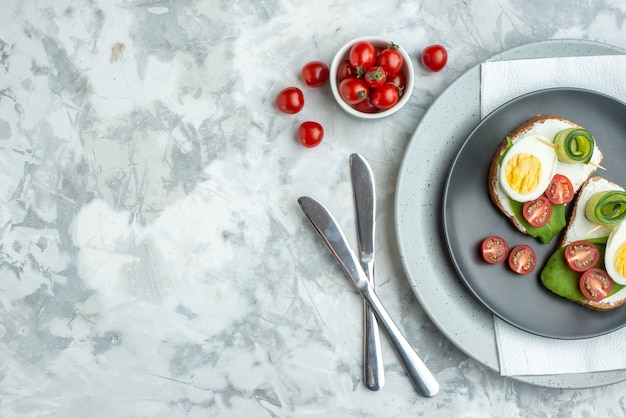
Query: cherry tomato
pixel 314 74
pixel 560 190
pixel 390 59
pixel 595 284
pixel 375 77
pixel 537 212
pixel 362 54
pixel 353 90
pixel 494 249
pixel 398 79
pixel 345 70
pixel 522 259
pixel 434 57
pixel 290 100
pixel 385 96
pixel 366 106
pixel 581 255
pixel 310 134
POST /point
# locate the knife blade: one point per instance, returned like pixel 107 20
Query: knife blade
pixel 365 205
pixel 332 234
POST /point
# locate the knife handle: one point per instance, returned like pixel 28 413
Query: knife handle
pixel 421 377
pixel 373 360
pixel 373 366
pixel 373 369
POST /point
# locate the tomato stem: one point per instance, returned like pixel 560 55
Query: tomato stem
pixel 377 74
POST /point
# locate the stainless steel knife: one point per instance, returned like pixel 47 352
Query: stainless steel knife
pixel 330 231
pixel 365 205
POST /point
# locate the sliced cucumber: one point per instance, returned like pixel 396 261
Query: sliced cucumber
pixel 606 208
pixel 574 145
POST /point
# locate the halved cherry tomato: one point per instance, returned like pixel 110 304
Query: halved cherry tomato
pixel 290 100
pixel 362 54
pixel 375 77
pixel 522 259
pixel 345 70
pixel 385 96
pixel 581 255
pixel 314 73
pixel 310 134
pixel 494 249
pixel 353 90
pixel 390 59
pixel 537 212
pixel 595 284
pixel 560 190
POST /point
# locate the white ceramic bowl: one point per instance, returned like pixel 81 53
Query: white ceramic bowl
pixel 378 42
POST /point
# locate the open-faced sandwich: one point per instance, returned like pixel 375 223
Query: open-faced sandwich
pixel 538 169
pixel 589 268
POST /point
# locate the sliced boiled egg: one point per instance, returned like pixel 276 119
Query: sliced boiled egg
pixel 527 168
pixel 615 255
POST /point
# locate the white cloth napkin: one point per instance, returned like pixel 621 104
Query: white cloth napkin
pixel 502 81
pixel 521 353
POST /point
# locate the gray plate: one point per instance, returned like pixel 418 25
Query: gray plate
pixel 466 322
pixel 469 216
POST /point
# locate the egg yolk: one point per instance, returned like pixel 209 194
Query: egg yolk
pixel 523 172
pixel 620 260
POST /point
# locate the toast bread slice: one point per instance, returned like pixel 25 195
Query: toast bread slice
pixel 547 125
pixel 581 228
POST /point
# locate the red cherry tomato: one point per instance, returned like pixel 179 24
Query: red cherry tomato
pixel 362 54
pixel 385 96
pixel 345 70
pixel 398 79
pixel 314 73
pixel 353 90
pixel 434 57
pixel 560 190
pixel 375 77
pixel 290 100
pixel 390 59
pixel 537 212
pixel 494 249
pixel 366 106
pixel 310 134
pixel 581 255
pixel 522 259
pixel 595 284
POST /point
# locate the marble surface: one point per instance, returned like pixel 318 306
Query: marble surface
pixel 153 259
